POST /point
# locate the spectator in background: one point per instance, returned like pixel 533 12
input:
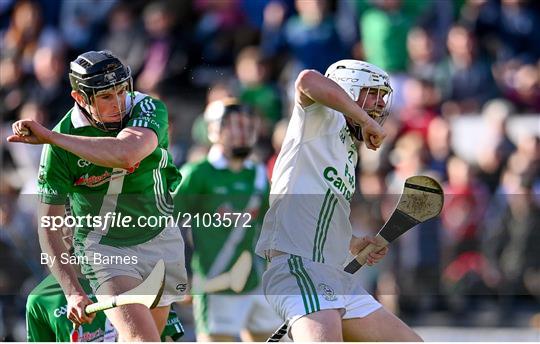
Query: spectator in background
pixel 465 205
pixel 5 8
pixel 16 229
pixel 12 86
pixel 438 143
pixel 496 147
pixel 346 17
pixel 311 38
pixel 521 85
pixel 166 57
pixel 384 27
pixel 461 258
pixel 253 12
pixel 482 17
pixel 26 33
pixel 511 237
pixel 420 107
pixel 519 32
pixel 437 17
pixel 507 29
pixel 51 12
pixel 83 22
pixel 508 32
pixel 222 31
pixel 408 158
pixel 49 86
pixel 529 148
pixel 421 52
pixel 464 77
pixel 26 158
pixel 125 36
pixel 255 90
pixel 19 257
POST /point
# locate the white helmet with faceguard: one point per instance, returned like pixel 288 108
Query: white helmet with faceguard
pixel 97 71
pixel 355 75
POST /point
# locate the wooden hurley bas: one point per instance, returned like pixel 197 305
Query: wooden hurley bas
pixel 422 199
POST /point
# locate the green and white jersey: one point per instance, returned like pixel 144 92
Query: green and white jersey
pixel 312 184
pixel 46 319
pixel 226 209
pixel 141 191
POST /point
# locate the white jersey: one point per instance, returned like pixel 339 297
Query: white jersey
pixel 312 184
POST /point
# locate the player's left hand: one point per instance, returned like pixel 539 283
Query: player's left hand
pixel 29 131
pixel 358 244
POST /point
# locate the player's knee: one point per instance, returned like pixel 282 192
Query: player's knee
pixel 322 326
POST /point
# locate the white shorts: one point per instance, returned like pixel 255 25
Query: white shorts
pixel 101 262
pixel 297 286
pixel 230 314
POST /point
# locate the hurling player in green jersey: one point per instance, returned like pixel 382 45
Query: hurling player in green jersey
pixel 225 196
pixel 46 309
pixel 108 155
pixel 46 320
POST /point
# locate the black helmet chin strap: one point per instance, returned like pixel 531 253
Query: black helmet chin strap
pixel 95 119
pixel 108 127
pixel 355 130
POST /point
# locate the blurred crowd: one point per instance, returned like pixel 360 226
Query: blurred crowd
pixel 466 77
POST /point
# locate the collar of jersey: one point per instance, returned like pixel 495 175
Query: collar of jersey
pixel 219 161
pixel 78 120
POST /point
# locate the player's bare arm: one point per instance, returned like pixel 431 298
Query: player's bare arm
pixel 312 87
pixel 123 151
pixel 52 244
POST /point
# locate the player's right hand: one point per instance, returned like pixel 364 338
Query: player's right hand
pixel 356 245
pixel 373 134
pixel 75 311
pixel 29 131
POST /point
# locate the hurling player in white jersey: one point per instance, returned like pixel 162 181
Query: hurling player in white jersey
pixel 307 235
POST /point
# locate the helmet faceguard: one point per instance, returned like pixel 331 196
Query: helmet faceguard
pixel 95 72
pixel 354 76
pixel 239 120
